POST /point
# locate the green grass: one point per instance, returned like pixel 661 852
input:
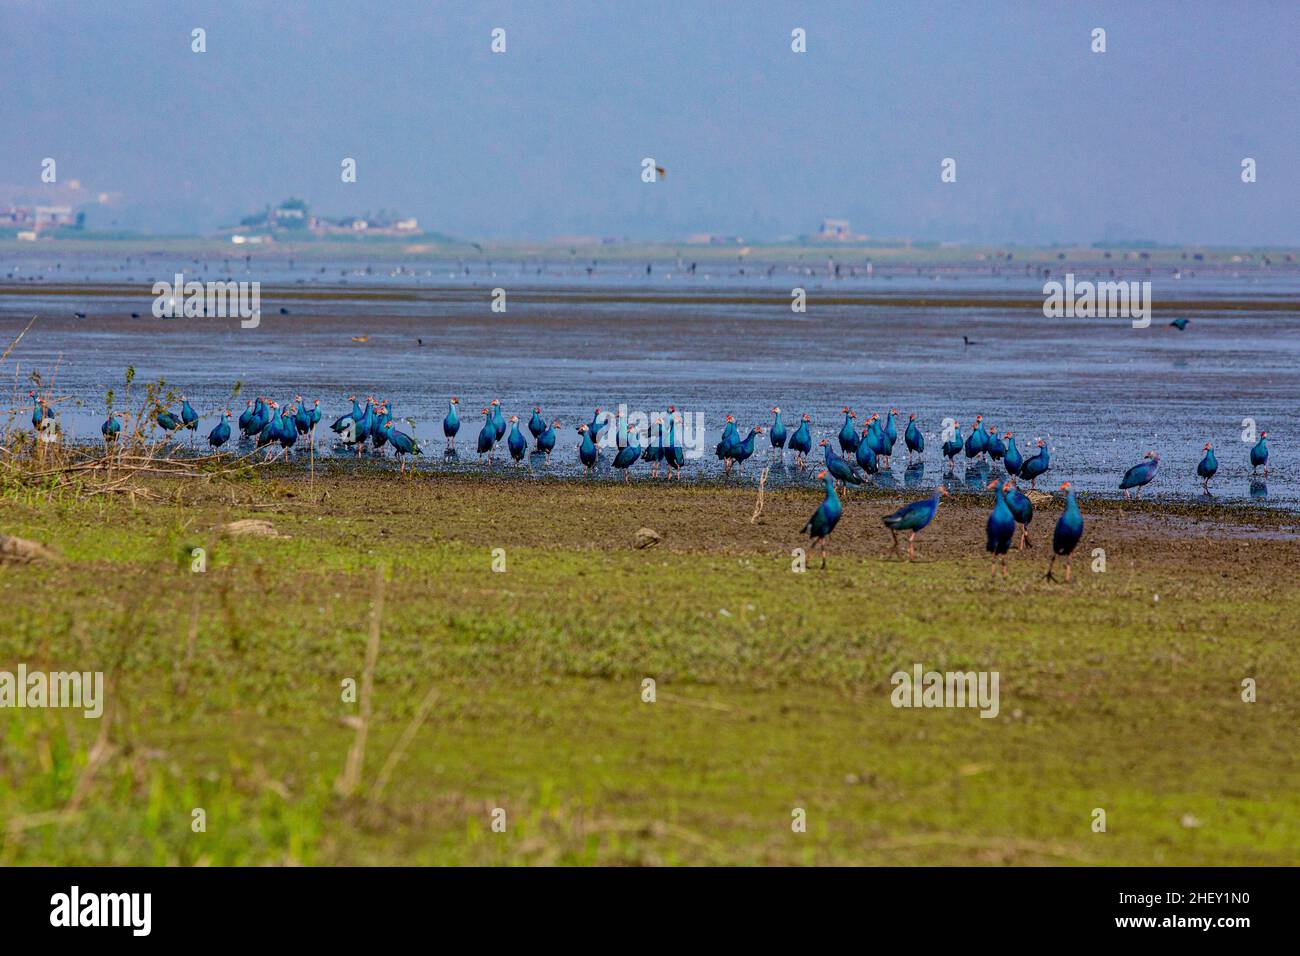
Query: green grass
pixel 772 687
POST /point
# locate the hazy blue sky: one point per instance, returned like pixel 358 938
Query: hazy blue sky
pixel 1052 141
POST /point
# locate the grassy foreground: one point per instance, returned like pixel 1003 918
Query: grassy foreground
pixel 522 690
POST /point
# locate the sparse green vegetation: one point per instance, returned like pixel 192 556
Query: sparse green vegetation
pixel 772 687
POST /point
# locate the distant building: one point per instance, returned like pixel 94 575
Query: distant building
pixel 837 230
pixel 293 215
pixel 35 219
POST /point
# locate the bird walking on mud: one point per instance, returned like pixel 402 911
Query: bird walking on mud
pixel 827 515
pixel 1140 474
pixel 1022 509
pixel 1001 528
pixel 1069 529
pixel 913 519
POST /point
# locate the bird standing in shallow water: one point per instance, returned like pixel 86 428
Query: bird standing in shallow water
pixel 1001 529
pixel 993 445
pixel 866 456
pixel 913 519
pixel 1069 529
pixel 111 428
pixel 451 423
pixel 1036 465
pixel 1207 466
pixel 403 444
pixel 729 437
pixel 952 447
pixel 516 443
pixel 167 420
pixel 498 419
pixel 1259 455
pixel 801 441
pixel 587 451
pixel 245 417
pixel 848 434
pixel 536 424
pixel 628 455
pixel 597 425
pixel 840 469
pixel 913 438
pixel 654 446
pixel 1179 324
pixel 1140 474
pixel 38 410
pixel 742 450
pixel 890 434
pixel 674 454
pixel 546 440
pixel 487 437
pixel 777 433
pixel 977 440
pixel 827 515
pixel 1012 460
pixel 189 417
pixel 221 433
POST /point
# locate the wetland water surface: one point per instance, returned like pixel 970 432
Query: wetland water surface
pixel 1100 392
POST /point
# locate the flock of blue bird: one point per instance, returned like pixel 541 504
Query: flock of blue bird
pixel 861 452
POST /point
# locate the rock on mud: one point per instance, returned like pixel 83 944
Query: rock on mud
pixel 21 551
pixel 647 538
pixel 259 527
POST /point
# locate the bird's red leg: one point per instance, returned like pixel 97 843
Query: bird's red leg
pixel 1050 563
pixel 1068 559
pixel 911 547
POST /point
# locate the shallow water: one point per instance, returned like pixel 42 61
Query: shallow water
pixel 1098 391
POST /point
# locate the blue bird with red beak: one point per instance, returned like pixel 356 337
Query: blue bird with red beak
pixel 801 441
pixel 840 469
pixel 1069 529
pixel 1001 529
pixel 826 517
pixel 1140 475
pixel 913 519
pixel 848 434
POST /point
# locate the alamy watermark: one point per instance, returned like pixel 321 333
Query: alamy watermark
pixel 1087 300
pixel 946 689
pixel 208 300
pixel 83 690
pixel 684 429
